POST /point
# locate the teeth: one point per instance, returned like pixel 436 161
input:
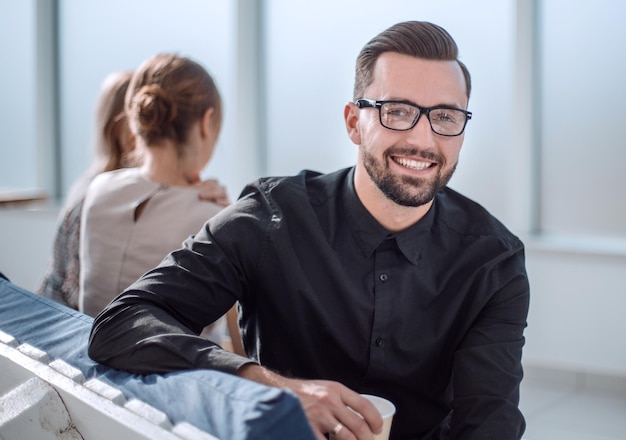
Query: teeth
pixel 412 163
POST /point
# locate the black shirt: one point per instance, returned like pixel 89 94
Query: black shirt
pixel 431 318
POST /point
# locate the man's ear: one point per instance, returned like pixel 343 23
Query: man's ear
pixel 351 116
pixel 206 123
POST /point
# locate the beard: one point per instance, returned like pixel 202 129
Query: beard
pixel 405 190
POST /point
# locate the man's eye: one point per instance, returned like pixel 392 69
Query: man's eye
pixel 443 116
pixel 398 112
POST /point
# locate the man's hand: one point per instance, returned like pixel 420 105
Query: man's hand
pixel 330 407
pixel 211 190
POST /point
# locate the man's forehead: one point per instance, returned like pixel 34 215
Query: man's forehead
pixel 431 82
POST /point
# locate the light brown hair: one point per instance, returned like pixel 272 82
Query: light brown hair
pixel 113 139
pixel 167 94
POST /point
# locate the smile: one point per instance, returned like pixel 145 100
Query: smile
pixel 412 164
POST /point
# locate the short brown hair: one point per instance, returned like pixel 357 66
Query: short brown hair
pixel 420 39
pixel 167 94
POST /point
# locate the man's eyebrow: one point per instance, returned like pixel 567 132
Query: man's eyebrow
pixel 408 101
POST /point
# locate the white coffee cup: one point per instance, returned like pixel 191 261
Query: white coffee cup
pixel 386 410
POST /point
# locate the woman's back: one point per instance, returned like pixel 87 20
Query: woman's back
pixel 129 225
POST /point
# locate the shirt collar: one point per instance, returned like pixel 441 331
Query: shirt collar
pixel 369 234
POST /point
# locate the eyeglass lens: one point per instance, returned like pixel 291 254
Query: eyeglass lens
pixel 401 116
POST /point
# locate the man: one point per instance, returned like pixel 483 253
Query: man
pixel 376 279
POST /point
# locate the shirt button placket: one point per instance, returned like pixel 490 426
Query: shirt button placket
pixel 383 277
pixel 384 261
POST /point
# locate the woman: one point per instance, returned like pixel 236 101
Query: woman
pixel 132 218
pixel 113 142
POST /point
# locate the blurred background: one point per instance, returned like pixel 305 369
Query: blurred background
pixel 544 151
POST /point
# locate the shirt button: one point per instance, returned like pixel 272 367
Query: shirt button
pixel 379 341
pixel 383 277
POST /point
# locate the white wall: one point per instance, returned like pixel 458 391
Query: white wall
pixel 583 66
pixel 576 321
pixel 26 237
pixel 17 93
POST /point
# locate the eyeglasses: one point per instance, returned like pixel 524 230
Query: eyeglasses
pixel 402 116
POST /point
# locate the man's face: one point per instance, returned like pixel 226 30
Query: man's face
pixel 408 167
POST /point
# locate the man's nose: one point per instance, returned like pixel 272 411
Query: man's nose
pixel 422 131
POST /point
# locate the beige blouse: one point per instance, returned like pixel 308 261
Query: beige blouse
pixel 116 248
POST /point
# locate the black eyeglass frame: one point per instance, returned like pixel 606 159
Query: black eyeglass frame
pixel 366 103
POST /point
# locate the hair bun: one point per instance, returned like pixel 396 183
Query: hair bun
pixel 153 111
pixel 167 95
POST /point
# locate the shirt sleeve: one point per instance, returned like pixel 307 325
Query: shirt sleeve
pixel 487 367
pixel 153 326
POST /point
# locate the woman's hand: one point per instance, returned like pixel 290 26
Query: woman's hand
pixel 211 191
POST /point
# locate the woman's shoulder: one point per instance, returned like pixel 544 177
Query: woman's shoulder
pixel 125 181
pixel 120 176
pixel 186 199
pixel 117 192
